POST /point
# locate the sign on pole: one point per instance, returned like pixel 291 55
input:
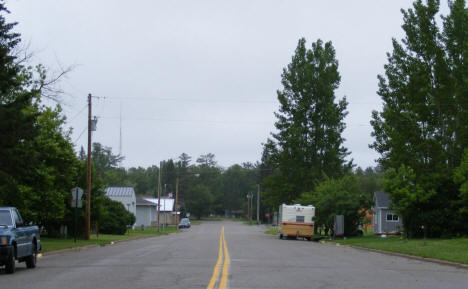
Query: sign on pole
pixel 77 193
pixel 76 201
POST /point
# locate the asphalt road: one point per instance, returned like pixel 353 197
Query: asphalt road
pixel 247 258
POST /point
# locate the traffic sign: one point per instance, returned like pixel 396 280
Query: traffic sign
pixel 77 193
pixel 76 205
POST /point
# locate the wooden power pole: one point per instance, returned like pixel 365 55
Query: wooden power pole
pixel 176 198
pixel 258 204
pixel 88 176
pixel 159 192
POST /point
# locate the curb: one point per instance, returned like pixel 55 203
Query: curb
pixel 73 249
pixel 418 258
pixel 77 249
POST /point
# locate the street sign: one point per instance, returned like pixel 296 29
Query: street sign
pixel 77 193
pixel 78 205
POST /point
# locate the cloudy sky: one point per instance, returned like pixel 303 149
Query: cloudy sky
pixel 199 76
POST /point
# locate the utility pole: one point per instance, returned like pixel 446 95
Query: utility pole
pixel 258 204
pixel 88 179
pixel 248 206
pixel 251 201
pixel 176 198
pixel 159 192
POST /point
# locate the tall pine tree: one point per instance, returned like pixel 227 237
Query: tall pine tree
pixel 308 142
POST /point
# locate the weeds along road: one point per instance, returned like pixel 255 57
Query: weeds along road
pixel 230 255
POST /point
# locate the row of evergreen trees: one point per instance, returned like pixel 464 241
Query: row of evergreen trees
pixel 204 187
pixel 420 134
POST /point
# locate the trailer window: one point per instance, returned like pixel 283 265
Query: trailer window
pixel 300 219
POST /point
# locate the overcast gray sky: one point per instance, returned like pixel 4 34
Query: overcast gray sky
pixel 201 76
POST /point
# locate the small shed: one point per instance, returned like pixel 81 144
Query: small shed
pixel 166 210
pixel 146 212
pixel 385 220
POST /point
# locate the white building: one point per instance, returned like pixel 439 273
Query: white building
pixel 147 211
pixel 124 195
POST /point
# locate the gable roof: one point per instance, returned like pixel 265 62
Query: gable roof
pixel 143 202
pixel 120 192
pixel 382 199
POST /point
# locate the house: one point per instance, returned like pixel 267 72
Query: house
pixel 124 195
pixel 385 220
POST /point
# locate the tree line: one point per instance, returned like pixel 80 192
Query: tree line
pixel 421 133
pixel 204 187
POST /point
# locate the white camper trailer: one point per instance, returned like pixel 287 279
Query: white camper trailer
pixel 296 221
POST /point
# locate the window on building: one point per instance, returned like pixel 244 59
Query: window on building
pixel 300 219
pixel 392 218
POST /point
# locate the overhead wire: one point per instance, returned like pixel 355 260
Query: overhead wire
pixel 78 138
pixel 81 111
pixel 186 120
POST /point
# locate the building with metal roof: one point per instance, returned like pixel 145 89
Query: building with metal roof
pixel 147 211
pixel 124 195
pixel 167 204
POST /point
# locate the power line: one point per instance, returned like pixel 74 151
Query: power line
pixel 189 120
pixel 73 117
pixel 212 100
pixel 80 134
pixel 217 100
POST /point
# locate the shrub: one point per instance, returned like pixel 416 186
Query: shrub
pixel 115 218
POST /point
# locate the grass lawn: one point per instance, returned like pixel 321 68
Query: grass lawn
pixel 272 231
pixel 455 250
pixel 53 244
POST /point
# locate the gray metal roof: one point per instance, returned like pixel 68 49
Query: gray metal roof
pixel 382 199
pixel 120 192
pixel 143 202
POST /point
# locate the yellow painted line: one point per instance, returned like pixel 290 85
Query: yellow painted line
pixel 217 267
pixel 224 275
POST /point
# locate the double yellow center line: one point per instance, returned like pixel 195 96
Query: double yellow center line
pixel 225 265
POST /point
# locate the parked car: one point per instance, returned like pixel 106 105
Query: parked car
pixel 184 223
pixel 17 241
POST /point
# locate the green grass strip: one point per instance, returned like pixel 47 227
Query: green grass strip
pixel 454 250
pixel 53 244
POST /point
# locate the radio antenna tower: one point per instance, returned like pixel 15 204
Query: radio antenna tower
pixel 120 139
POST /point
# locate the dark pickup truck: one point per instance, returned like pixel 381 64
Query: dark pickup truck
pixel 17 241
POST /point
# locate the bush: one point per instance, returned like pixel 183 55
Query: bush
pixel 337 197
pixel 114 218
